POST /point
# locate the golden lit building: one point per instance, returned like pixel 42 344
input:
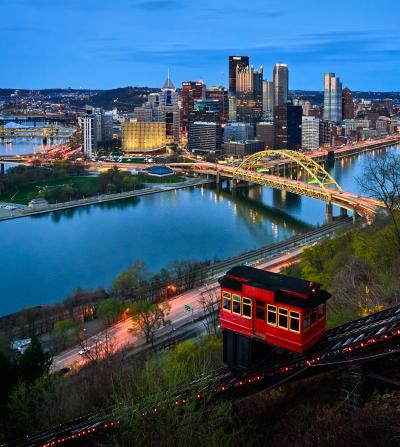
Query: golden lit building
pixel 139 136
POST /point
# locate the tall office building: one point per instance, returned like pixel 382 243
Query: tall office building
pixel 268 98
pixel 347 104
pixel 332 98
pixel 310 133
pixel 169 103
pixel 249 94
pixel 236 62
pixel 281 84
pixel 221 95
pixel 205 137
pixel 191 91
pixel 287 127
pixel 205 110
pixel 89 133
pixel 238 132
pixel 265 132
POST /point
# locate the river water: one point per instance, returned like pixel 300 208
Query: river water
pixel 44 258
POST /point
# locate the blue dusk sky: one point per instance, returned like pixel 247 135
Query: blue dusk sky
pixel 114 43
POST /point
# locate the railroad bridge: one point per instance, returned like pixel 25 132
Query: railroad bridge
pixel 291 171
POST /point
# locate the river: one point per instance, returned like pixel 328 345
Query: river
pixel 45 257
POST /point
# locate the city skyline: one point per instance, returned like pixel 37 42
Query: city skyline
pixel 105 45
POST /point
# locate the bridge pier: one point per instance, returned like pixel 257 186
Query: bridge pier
pixel 355 215
pixel 329 212
pixel 2 168
pixel 343 212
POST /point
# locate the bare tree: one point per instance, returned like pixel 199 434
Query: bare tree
pixel 380 179
pixel 209 301
pixel 356 286
pixel 148 317
pixel 98 348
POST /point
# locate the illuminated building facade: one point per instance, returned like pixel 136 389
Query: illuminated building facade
pixel 281 84
pixel 191 91
pixel 236 62
pixel 249 94
pixel 221 95
pixel 205 137
pixel 169 103
pixel 268 98
pixel 141 136
pixel 310 133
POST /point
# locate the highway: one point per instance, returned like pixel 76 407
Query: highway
pixel 122 338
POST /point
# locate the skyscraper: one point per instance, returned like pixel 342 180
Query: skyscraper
pixel 191 91
pixel 249 94
pixel 234 63
pixel 169 103
pixel 332 98
pixel 310 133
pixel 268 98
pixel 281 84
pixel 347 104
pixel 287 127
pixel 89 132
pixel 220 94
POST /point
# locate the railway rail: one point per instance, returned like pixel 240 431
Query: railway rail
pixel 364 340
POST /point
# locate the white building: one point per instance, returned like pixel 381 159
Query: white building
pixel 310 133
pixel 89 134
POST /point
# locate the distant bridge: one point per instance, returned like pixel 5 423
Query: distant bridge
pixel 316 182
pixel 34 132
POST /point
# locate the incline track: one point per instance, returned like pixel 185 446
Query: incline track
pixel 360 341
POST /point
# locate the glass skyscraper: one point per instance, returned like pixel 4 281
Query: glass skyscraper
pixel 281 84
pixel 249 94
pixel 332 98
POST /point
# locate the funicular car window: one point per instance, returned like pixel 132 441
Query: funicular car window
pixel 246 307
pixel 320 311
pixel 306 321
pixel 313 318
pixel 260 310
pixel 294 322
pixel 271 314
pixel 283 318
pixel 236 304
pixel 226 300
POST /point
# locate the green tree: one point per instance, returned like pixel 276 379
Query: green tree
pixel 131 283
pixel 34 362
pixel 111 188
pixel 111 310
pixel 65 331
pixel 148 317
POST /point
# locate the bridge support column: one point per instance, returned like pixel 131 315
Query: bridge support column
pixel 329 212
pixel 343 212
pixel 2 168
pixel 355 215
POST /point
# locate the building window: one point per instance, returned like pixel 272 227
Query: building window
pixel 283 318
pixel 226 301
pixel 306 321
pixel 271 314
pixel 260 310
pixel 236 304
pixel 321 312
pixel 246 308
pixel 294 321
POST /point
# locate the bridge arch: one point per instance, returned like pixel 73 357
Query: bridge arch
pixel 324 180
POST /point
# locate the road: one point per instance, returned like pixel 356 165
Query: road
pixel 122 338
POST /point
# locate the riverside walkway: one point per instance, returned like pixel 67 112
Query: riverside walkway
pixel 14 210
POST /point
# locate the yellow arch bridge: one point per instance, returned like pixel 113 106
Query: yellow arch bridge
pixel 276 168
